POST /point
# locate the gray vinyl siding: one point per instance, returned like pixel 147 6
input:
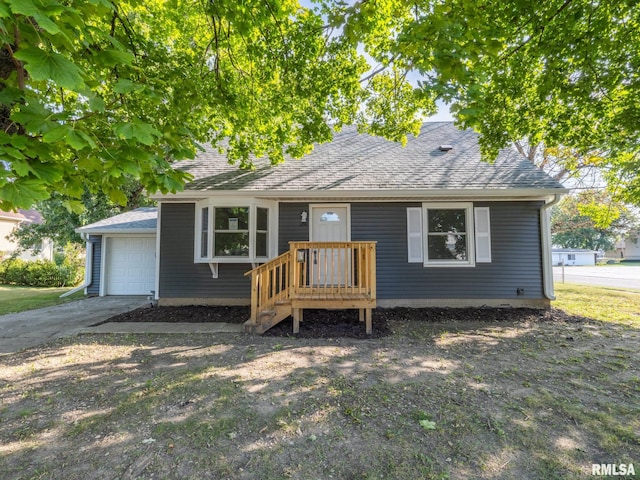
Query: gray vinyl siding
pixel 96 265
pixel 515 246
pixel 180 277
pixel 291 229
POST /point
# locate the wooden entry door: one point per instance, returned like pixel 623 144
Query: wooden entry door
pixel 330 223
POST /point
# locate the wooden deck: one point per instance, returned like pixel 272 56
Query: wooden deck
pixel 331 275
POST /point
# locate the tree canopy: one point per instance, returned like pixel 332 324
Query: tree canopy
pixel 590 219
pixel 94 92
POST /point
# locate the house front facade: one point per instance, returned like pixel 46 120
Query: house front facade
pixel 448 228
pixel 430 223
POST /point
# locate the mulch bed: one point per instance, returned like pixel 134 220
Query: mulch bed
pixel 341 323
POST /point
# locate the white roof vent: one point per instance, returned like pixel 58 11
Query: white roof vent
pixel 445 148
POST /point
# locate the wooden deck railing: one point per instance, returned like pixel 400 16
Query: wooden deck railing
pixel 269 284
pixel 313 275
pixel 333 268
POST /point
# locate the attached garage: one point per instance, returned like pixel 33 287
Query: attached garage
pixel 121 254
pixel 130 265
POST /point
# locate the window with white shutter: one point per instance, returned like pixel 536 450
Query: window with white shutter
pixel 483 234
pixel 414 234
pixel 446 234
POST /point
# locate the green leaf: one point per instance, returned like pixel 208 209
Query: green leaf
pixel 75 206
pixel 46 65
pixel 21 167
pixel 34 117
pixel 137 130
pixel 23 193
pixel 29 9
pixel 112 57
pixel 428 424
pixel 118 197
pixel 9 151
pixel 56 134
pixel 47 172
pixel 76 140
pixel 97 104
pixel 126 86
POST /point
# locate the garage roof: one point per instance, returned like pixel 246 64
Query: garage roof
pixel 140 220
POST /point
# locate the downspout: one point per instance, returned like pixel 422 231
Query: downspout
pixel 88 268
pixel 545 235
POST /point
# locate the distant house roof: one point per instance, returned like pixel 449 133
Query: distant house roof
pixel 30 216
pixel 140 220
pixel 572 250
pixel 356 164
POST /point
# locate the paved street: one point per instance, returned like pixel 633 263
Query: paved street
pixel 605 276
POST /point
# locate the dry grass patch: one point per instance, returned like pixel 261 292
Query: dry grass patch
pixel 442 400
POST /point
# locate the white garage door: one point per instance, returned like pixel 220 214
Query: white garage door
pixel 130 265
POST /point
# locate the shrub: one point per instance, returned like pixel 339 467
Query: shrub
pixel 41 273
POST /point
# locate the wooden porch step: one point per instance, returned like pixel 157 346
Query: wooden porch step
pixel 269 318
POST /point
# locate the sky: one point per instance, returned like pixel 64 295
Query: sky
pixel 443 114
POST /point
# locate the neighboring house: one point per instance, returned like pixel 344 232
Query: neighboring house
pixel 574 256
pixel 443 228
pixel 9 222
pixel 627 248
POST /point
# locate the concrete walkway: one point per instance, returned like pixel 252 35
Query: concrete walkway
pixel 35 327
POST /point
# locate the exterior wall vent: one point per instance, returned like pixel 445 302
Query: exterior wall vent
pixel 445 148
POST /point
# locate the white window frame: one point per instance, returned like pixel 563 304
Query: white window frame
pixel 469 233
pixel 252 204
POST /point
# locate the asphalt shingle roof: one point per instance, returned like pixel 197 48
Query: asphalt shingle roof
pixel 139 220
pixel 360 162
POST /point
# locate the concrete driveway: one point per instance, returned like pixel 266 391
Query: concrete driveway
pixel 34 327
pixel 619 276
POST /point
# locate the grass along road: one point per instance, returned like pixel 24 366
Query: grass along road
pixel 542 399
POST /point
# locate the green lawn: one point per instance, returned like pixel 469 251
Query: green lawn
pixel 18 299
pixel 605 304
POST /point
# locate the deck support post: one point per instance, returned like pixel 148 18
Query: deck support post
pixel 368 323
pixel 361 314
pixel 297 318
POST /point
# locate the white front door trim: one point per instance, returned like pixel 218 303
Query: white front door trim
pixel 330 266
pixel 316 209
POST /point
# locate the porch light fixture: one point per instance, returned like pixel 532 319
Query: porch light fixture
pixel 301 256
pixel 303 216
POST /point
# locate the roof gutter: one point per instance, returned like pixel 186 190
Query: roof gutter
pixel 545 235
pixel 476 193
pixel 88 269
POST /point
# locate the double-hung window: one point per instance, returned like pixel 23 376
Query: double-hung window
pixel 448 234
pixel 235 232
